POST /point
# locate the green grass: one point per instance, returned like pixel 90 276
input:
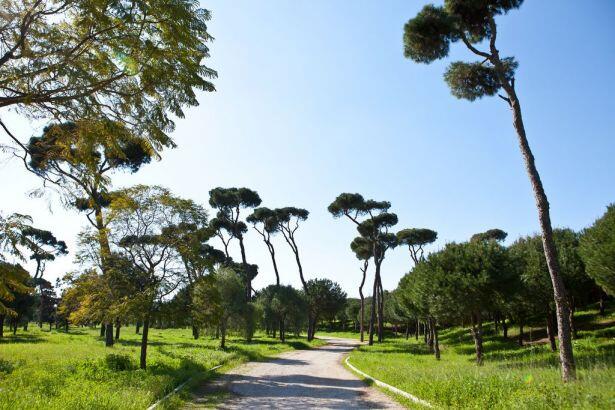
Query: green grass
pixel 57 370
pixel 512 377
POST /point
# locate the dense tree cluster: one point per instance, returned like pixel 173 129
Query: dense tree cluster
pixel 481 279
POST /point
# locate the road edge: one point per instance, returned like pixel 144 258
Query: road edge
pixel 386 386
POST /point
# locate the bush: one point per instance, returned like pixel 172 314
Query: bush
pixel 6 366
pixel 119 362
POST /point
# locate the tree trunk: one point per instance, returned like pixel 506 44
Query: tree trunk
pixel 40 307
pixel 559 290
pixel 573 328
pixel 195 332
pixel 118 325
pixel 505 328
pixel 520 339
pixel 245 262
pixel 362 309
pixel 429 334
pixel 372 319
pixel 25 326
pixel 223 334
pixel 282 335
pixel 602 303
pixel 416 331
pixel 407 329
pixel 380 309
pixel 102 330
pixel 275 265
pixel 1 325
pixel 550 330
pixel 143 359
pixel 137 327
pixel 109 334
pixel 477 334
pixel 436 342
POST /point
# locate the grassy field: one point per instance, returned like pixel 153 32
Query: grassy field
pixel 512 377
pixel 56 370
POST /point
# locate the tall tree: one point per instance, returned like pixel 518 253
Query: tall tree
pixel 265 222
pixel 75 59
pixel 142 216
pixel 229 202
pixel 288 219
pixel 374 227
pixel 78 158
pixel 427 38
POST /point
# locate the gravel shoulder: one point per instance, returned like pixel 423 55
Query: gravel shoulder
pixel 314 378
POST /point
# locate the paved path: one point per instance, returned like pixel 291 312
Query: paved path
pixel 301 379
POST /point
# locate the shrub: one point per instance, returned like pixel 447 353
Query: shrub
pixel 118 362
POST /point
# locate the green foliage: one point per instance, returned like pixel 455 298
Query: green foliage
pixel 267 217
pixel 598 250
pixel 286 214
pixel 427 36
pixel 416 236
pixel 325 298
pixel 282 303
pixel 206 302
pixel 489 235
pixel 416 239
pixel 111 60
pixel 473 16
pixel 476 80
pixel 354 205
pixel 362 248
pixel 230 288
pixel 458 281
pixel 529 258
pixel 13 279
pixel 119 362
pixel 226 199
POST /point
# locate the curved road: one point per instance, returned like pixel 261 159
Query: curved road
pixel 299 379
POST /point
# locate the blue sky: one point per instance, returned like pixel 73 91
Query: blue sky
pixel 315 98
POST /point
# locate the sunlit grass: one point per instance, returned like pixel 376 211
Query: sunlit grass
pixel 57 370
pixel 512 377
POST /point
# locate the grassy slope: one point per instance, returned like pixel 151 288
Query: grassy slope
pixel 55 370
pixel 512 376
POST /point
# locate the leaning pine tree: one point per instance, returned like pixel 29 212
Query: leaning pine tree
pixel 427 38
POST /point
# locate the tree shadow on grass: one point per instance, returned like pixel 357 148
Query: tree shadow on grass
pixel 410 349
pixel 21 338
pixel 601 356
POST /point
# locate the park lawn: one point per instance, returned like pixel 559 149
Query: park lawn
pixel 56 370
pixel 512 377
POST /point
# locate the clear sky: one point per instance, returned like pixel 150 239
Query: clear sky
pixel 315 98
